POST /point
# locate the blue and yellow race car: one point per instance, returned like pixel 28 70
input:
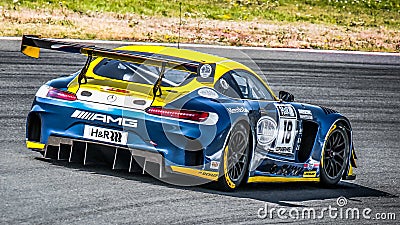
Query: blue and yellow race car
pixel 169 112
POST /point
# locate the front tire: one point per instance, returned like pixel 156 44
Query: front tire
pixel 235 160
pixel 335 157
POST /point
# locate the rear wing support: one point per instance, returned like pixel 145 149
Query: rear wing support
pixel 82 74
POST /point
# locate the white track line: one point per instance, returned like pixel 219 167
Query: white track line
pixel 218 47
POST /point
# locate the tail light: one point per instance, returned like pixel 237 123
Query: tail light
pixel 64 95
pixel 179 113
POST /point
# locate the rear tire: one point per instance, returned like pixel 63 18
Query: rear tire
pixel 235 158
pixel 335 157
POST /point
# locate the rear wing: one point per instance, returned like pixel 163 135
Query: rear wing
pixel 31 46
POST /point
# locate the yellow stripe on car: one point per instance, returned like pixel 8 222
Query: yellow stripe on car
pixel 330 131
pixel 34 145
pixel 350 172
pixel 210 175
pixel 257 179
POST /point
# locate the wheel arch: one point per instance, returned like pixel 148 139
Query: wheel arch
pixel 351 160
pixel 245 120
pixel 345 123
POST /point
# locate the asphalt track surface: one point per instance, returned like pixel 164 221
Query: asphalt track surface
pixel 365 88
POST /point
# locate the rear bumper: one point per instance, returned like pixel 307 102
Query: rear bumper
pixel 134 160
pixel 89 152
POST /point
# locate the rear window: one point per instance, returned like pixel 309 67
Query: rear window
pixel 141 73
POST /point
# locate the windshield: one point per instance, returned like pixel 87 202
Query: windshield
pixel 141 73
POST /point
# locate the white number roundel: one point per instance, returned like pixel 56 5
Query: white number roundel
pixel 266 130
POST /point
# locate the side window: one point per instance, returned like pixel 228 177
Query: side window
pixel 243 84
pixel 250 86
pixel 227 86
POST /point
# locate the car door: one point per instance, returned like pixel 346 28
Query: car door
pixel 275 123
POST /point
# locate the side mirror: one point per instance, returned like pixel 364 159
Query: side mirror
pixel 286 96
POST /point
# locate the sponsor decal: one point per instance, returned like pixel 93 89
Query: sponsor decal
pixel 310 166
pixel 310 174
pixel 84 115
pixel 208 174
pixel 237 110
pixel 287 111
pixel 106 135
pixel 266 130
pixel 285 170
pixel 205 71
pixel 284 150
pixel 224 84
pixel 111 89
pixel 305 114
pixel 286 135
pixel 207 93
pixel 287 129
pixel 214 165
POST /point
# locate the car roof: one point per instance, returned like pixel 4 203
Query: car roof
pixel 186 55
pixel 174 52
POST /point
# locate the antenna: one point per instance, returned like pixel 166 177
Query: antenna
pixel 180 22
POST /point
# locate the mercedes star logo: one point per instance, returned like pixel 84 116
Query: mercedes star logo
pixel 111 98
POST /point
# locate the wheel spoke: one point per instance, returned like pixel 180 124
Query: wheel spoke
pixel 232 173
pixel 237 138
pixel 337 139
pixel 339 145
pixel 340 156
pixel 339 166
pixel 239 169
pixel 238 148
pixel 328 167
pixel 333 140
pixel 334 169
pixel 240 142
pixel 341 150
pixel 235 172
pixel 243 159
pixel 231 161
pixel 328 144
pixel 335 161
